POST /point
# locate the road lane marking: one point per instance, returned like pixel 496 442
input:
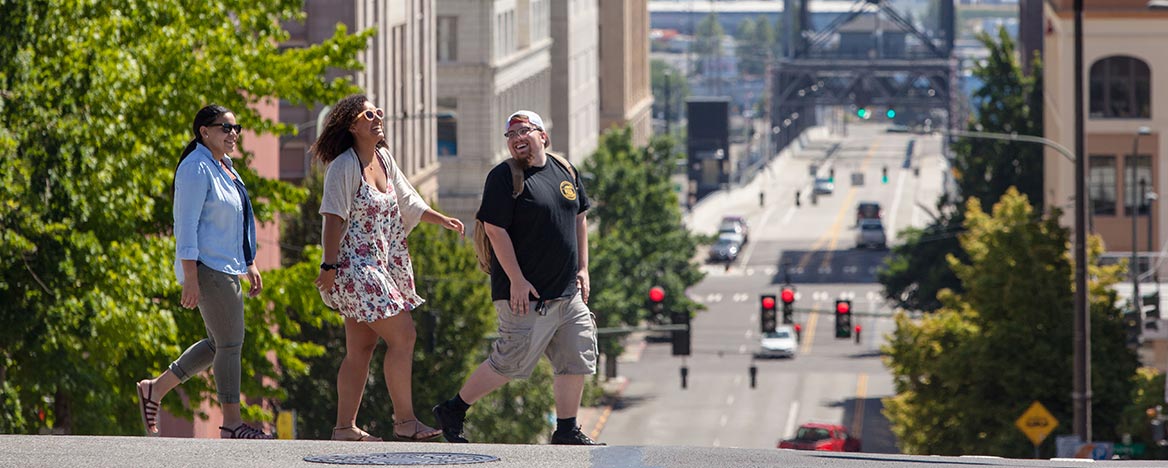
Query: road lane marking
pixel 858 416
pixel 792 414
pixel 832 234
pixel 729 400
pixel 809 331
pixel 725 419
pixel 742 349
pixel 737 380
pixel 790 214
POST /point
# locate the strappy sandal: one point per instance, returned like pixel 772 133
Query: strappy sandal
pixel 243 431
pixel 420 432
pixel 362 436
pixel 148 408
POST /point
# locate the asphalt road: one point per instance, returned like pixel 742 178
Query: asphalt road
pixel 812 247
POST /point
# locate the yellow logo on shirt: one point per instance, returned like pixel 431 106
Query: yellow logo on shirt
pixel 568 190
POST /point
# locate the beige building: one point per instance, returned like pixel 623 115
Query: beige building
pixel 575 98
pixel 1123 44
pixel 494 57
pixel 399 76
pixel 625 94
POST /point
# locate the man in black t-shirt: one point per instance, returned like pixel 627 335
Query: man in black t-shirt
pixel 539 281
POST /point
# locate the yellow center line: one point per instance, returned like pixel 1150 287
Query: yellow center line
pixel 861 394
pixel 830 238
pixel 808 334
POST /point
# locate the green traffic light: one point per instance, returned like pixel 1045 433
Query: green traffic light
pixel 862 113
pixel 891 113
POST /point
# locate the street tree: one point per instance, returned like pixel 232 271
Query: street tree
pixel 96 102
pixel 707 44
pixel 755 42
pixel 678 89
pixel 965 373
pixel 1008 101
pixel 639 240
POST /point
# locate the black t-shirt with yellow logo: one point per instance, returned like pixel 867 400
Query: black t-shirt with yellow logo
pixel 542 226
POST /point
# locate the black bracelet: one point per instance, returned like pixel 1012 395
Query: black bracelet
pixel 328 266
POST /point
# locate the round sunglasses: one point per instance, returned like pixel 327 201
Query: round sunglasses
pixel 371 114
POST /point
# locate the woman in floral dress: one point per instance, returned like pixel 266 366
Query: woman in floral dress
pixel 369 208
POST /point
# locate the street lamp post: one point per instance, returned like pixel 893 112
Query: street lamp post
pixel 1135 202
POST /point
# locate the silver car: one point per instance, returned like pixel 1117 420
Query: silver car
pixel 779 343
pixel 870 233
pixel 726 248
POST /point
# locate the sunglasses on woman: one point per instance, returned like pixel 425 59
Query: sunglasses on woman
pixel 227 127
pixel 373 114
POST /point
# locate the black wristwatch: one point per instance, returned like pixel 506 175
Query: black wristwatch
pixel 327 266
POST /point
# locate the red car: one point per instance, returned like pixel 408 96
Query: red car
pixel 822 437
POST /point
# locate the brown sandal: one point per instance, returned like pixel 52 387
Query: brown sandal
pixel 420 432
pixel 362 436
pixel 148 408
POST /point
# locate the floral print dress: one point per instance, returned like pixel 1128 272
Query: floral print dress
pixel 375 278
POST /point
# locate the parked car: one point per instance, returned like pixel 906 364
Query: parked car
pixel 735 224
pixel 867 210
pixel 822 437
pixel 823 186
pixel 779 343
pixel 870 232
pixel 726 248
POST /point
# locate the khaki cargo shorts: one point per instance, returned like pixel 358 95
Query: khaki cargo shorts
pixel 565 332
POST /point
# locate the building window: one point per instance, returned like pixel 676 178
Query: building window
pixel 1102 180
pixel 447 127
pixel 447 38
pixel 1143 166
pixel 1121 89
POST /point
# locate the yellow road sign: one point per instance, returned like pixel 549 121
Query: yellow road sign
pixel 286 424
pixel 1036 423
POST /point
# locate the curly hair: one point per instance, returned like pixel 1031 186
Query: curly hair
pixel 335 137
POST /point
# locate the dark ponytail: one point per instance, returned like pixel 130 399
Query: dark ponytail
pixel 205 116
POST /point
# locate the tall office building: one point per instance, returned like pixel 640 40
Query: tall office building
pixel 575 98
pixel 494 57
pixel 399 76
pixel 626 97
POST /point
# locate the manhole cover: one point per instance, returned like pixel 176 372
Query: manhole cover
pixel 403 458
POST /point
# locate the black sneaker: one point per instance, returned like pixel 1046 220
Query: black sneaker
pixel 450 421
pixel 573 437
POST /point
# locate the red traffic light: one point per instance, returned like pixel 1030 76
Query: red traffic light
pixel 656 294
pixel 842 307
pixel 798 328
pixel 768 302
pixel 788 296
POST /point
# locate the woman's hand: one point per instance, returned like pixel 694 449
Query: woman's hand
pixel 326 280
pixel 454 224
pixel 253 278
pixel 190 292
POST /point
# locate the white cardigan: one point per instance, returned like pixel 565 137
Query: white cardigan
pixel 342 179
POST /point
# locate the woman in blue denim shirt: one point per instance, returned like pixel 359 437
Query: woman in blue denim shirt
pixel 214 231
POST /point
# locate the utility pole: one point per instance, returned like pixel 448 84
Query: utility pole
pixel 668 102
pixel 1081 392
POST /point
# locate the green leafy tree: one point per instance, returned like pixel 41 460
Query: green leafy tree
pixel 965 373
pixel 1009 101
pixel 708 36
pixel 96 101
pixel 678 89
pixel 755 44
pixel 639 241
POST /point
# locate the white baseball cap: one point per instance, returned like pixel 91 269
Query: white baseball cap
pixel 524 116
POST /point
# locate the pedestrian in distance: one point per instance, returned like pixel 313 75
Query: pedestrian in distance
pixel 366 275
pixel 539 280
pixel 215 245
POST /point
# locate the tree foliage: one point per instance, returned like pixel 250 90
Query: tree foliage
pixel 96 102
pixel 756 41
pixel 639 240
pixel 1008 101
pixel 965 373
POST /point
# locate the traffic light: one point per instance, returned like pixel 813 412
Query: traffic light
pixel 843 318
pixel 1131 325
pixel 884 175
pixel 1151 308
pixel 891 113
pixel 681 338
pixel 788 297
pixel 767 317
pixel 862 113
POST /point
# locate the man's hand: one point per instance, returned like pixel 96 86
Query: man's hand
pixel 583 284
pixel 519 292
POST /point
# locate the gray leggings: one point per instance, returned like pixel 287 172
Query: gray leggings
pixel 221 304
